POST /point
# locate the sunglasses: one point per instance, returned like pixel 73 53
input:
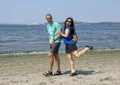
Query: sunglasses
pixel 48 18
pixel 69 21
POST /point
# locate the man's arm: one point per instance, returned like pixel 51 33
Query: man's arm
pixel 59 29
pixel 58 36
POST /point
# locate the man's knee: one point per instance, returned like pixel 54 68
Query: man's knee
pixel 50 54
pixel 55 55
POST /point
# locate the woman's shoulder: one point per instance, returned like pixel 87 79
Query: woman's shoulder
pixel 68 27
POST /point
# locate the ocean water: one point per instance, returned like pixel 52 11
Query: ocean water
pixel 34 38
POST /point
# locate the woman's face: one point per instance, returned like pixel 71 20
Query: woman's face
pixel 68 22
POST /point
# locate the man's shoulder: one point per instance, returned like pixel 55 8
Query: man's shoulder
pixel 47 25
pixel 56 23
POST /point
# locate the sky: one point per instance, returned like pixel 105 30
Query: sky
pixel 34 11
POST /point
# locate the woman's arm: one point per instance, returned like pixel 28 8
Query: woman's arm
pixel 66 33
pixel 58 36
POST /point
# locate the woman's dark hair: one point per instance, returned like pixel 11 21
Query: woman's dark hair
pixel 72 25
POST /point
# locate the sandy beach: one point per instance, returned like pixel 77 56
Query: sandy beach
pixel 99 67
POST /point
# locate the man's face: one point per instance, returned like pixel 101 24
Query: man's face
pixel 49 19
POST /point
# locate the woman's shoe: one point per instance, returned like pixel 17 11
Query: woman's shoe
pixel 74 73
pixel 90 47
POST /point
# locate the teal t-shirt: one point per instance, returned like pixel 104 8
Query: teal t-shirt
pixel 52 30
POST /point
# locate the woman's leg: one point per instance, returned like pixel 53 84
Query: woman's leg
pixel 69 55
pixel 78 54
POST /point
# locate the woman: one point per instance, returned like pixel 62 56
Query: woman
pixel 71 48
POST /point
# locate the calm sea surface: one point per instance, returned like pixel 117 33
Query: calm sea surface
pixel 33 38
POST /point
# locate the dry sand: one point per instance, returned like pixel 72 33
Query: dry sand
pixel 94 68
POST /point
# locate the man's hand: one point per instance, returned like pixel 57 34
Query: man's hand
pixel 52 42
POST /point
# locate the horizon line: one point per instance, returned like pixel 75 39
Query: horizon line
pixel 36 23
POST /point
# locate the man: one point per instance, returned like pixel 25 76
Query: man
pixel 54 40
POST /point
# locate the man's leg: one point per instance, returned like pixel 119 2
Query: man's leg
pixel 56 49
pixel 57 61
pixel 51 60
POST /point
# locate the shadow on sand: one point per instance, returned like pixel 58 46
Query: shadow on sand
pixel 79 72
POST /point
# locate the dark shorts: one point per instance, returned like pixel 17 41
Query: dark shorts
pixel 54 48
pixel 70 48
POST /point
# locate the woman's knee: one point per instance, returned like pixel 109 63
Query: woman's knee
pixel 75 53
pixel 77 56
pixel 70 57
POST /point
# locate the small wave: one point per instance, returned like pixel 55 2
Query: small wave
pixel 23 53
pixel 35 52
pixel 108 49
pixel 6 41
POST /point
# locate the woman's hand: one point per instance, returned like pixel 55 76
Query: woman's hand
pixel 59 32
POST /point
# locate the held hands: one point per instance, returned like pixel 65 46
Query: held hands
pixel 59 32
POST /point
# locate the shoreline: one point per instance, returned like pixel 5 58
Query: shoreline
pixel 22 53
